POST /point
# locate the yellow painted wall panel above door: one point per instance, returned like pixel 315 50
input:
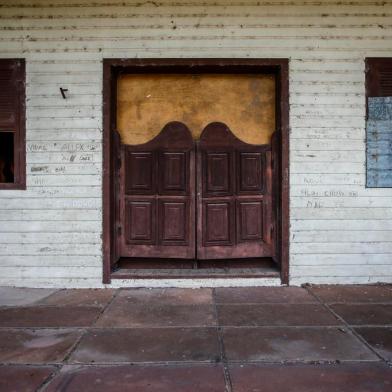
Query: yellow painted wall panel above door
pixel 244 102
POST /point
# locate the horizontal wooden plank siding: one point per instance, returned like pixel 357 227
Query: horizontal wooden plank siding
pixel 341 231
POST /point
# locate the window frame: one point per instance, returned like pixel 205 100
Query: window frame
pixel 19 130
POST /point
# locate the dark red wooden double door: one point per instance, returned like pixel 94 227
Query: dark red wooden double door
pixel 188 200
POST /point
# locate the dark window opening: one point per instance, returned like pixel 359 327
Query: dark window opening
pixel 6 157
pixel 12 124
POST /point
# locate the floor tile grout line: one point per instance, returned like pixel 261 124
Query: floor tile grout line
pixel 74 347
pixel 264 303
pixel 66 358
pixel 360 303
pixel 193 363
pixel 6 307
pixel 98 328
pixel 84 331
pixel 163 363
pixel 49 379
pixel 104 308
pixel 41 301
pixel 347 325
pixel 302 303
pixel 64 361
pixel 226 370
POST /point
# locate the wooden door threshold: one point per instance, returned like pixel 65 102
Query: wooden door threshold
pixel 190 269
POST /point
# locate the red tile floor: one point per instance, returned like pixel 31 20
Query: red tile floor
pixel 291 339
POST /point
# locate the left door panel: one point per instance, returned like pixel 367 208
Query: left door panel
pixel 157 196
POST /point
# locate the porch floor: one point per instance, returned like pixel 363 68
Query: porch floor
pixel 317 338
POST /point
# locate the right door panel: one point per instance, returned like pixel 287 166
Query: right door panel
pixel 234 188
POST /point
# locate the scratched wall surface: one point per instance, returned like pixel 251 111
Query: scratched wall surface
pixel 341 231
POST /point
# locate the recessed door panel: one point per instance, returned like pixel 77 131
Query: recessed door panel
pixel 250 174
pixel 139 172
pixel 140 226
pixel 217 173
pixel 173 218
pixel 172 172
pixel 218 221
pixel 249 220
